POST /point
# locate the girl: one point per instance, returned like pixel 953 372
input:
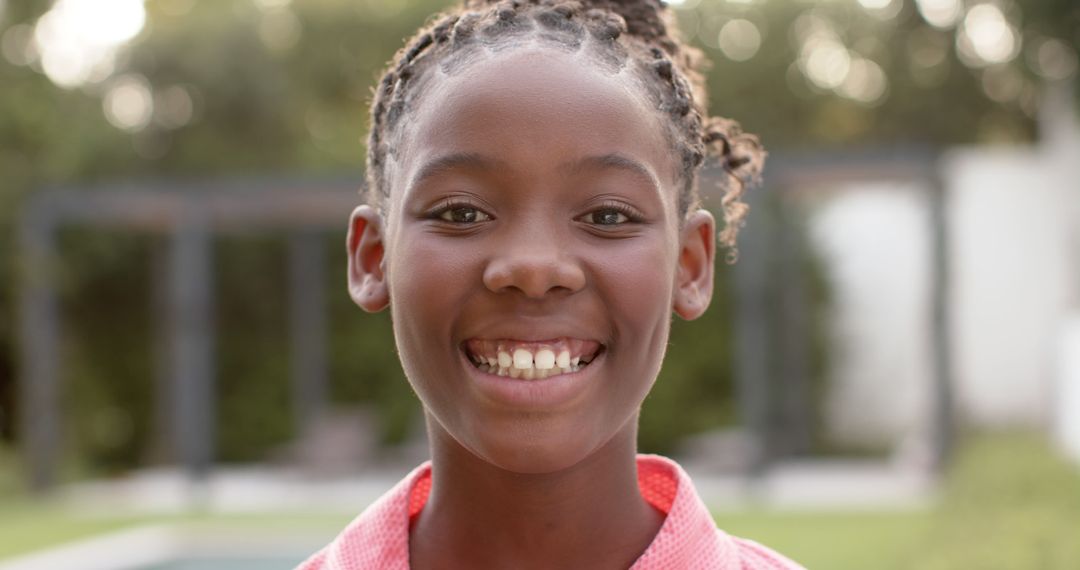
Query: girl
pixel 533 223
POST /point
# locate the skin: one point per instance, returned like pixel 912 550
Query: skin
pixel 541 254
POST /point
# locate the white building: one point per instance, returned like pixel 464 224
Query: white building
pixel 1013 219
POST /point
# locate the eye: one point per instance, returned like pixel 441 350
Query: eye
pixel 462 214
pixel 612 215
pixel 608 217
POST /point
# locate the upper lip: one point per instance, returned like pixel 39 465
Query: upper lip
pixel 533 332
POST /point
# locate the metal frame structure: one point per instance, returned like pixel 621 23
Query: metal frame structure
pixel 190 214
pixel 772 368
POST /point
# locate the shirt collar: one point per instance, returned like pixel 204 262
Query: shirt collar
pixel 688 538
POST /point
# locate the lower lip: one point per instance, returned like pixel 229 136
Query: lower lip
pixel 542 394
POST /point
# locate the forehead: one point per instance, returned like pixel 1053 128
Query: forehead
pixel 534 109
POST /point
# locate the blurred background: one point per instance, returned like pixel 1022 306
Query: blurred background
pixel 889 377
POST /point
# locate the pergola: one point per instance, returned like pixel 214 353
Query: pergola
pixel 191 214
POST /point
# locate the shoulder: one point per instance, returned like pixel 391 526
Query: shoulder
pixel 689 537
pixel 378 537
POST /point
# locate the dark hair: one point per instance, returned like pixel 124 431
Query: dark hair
pixel 639 33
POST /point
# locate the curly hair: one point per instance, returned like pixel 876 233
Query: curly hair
pixel 618 33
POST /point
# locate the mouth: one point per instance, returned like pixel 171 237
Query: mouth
pixel 531 360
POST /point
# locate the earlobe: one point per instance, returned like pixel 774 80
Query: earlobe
pixel 365 245
pixel 697 258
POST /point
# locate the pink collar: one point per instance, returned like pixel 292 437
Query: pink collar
pixel 379 537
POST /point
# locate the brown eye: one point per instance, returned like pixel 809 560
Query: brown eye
pixel 608 217
pixel 463 215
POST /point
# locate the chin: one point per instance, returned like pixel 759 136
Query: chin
pixel 533 448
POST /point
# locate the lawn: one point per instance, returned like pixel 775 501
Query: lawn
pixel 1008 503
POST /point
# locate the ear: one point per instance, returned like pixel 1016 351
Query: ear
pixel 697 258
pixel 367 271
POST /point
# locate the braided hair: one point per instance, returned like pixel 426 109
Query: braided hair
pixel 618 33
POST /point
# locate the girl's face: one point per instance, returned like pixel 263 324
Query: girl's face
pixel 532 231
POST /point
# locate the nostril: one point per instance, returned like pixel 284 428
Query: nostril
pixel 534 277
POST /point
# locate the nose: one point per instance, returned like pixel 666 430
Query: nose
pixel 535 266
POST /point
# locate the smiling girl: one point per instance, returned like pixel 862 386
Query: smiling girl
pixel 533 223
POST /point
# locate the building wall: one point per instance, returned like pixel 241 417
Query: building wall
pixel 1013 216
pixel 875 244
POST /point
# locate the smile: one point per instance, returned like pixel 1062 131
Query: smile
pixel 530 360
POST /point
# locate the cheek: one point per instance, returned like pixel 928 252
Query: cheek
pixel 428 284
pixel 638 283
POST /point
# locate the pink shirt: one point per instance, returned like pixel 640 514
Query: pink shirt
pixel 379 537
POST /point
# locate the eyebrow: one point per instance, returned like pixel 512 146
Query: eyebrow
pixel 451 162
pixel 478 161
pixel 617 162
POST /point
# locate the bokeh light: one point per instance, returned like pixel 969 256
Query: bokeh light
pixel 129 103
pixel 823 58
pixel 865 82
pixel 17 45
pixel 940 13
pixel 986 37
pixel 279 28
pixel 173 107
pixel 826 63
pixel 739 39
pixel 1053 59
pixel 882 9
pixel 78 39
pixel 682 4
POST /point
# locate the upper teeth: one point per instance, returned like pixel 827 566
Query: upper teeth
pixel 523 359
pixel 522 363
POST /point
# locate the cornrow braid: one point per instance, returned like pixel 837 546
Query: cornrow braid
pixel 639 34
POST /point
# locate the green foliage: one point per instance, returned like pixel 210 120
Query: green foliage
pixel 265 107
pixel 253 385
pixel 694 391
pixel 364 365
pixel 107 387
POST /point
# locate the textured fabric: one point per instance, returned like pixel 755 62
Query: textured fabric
pixel 379 537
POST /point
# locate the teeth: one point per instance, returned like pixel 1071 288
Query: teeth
pixel 545 359
pixel 524 364
pixel 530 373
pixel 523 359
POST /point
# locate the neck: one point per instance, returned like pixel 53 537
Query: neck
pixel 590 515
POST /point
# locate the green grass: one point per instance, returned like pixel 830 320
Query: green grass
pixel 25 527
pixel 1008 503
pixel 834 541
